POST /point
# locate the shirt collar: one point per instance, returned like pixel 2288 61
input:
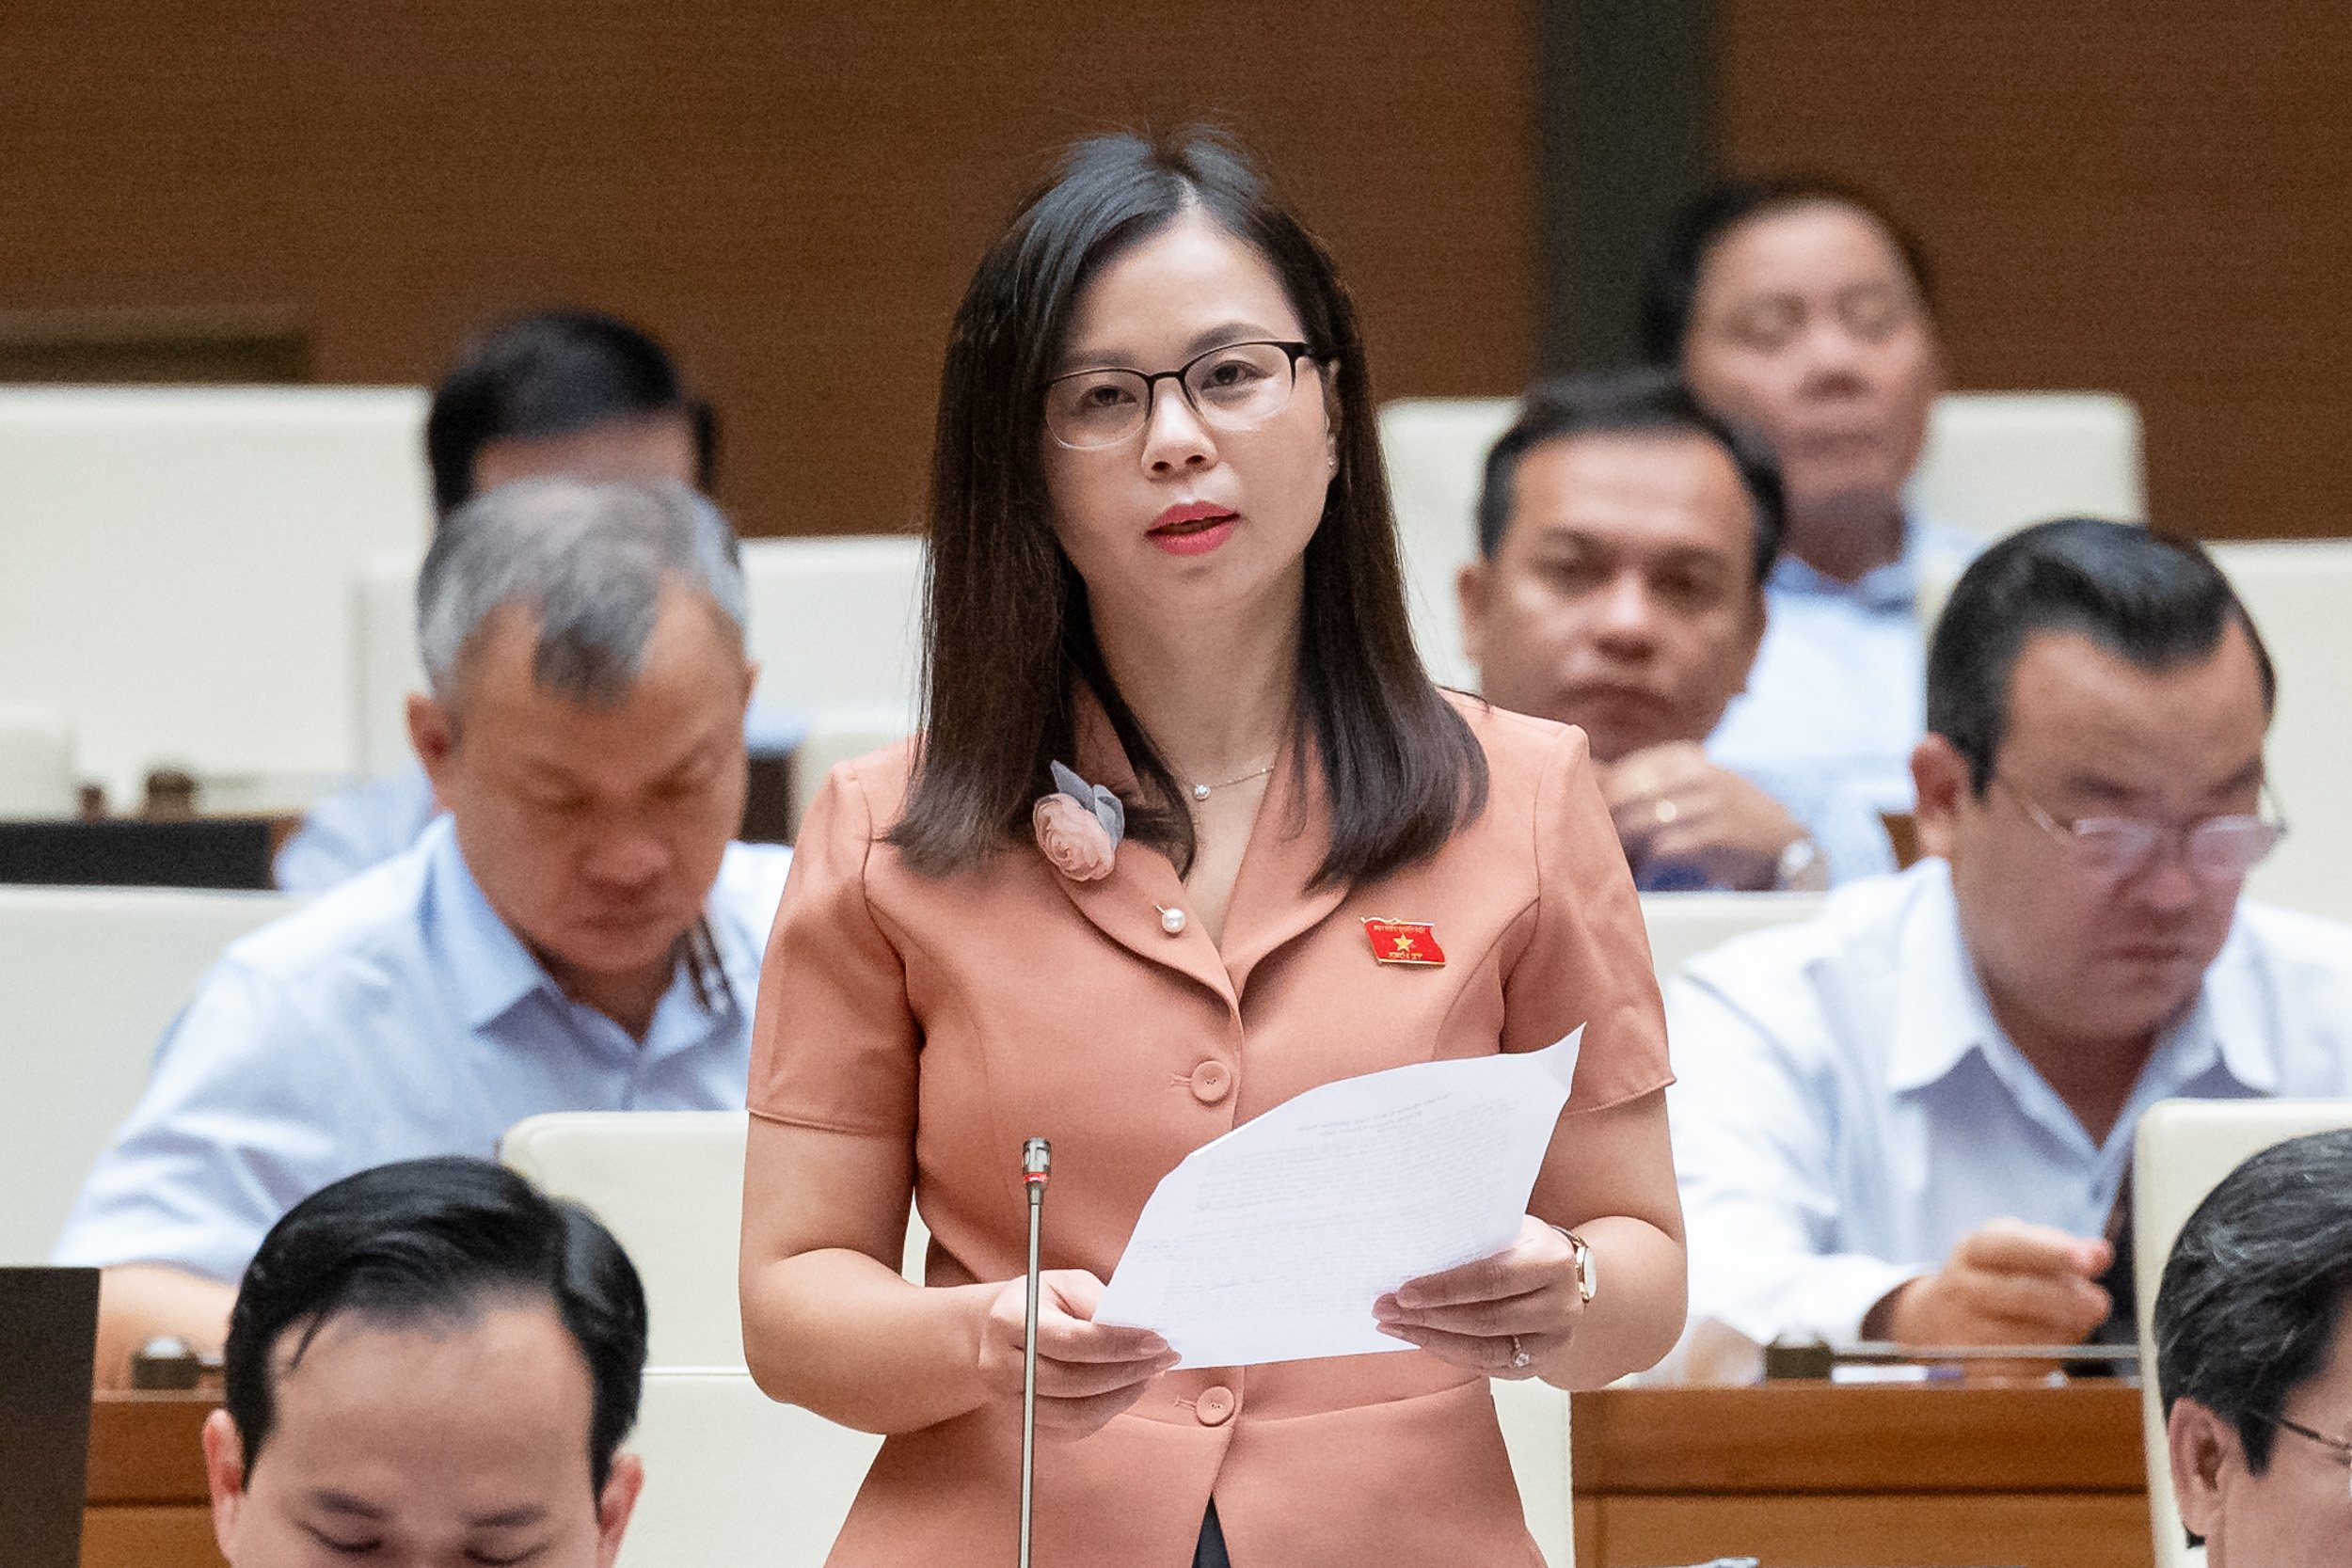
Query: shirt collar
pixel 488 969
pixel 1892 586
pixel 2231 1011
pixel 490 972
pixel 1941 1014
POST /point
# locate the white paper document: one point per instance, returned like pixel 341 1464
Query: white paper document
pixel 1272 1242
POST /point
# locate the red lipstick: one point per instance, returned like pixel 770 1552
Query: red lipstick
pixel 1194 528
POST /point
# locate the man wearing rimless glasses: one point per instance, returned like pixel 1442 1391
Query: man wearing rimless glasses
pixel 1910 1117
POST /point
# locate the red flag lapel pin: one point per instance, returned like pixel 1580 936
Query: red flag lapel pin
pixel 1405 942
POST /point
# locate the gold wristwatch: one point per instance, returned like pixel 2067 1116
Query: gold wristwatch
pixel 1587 1281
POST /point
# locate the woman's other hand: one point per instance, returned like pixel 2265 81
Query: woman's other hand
pixel 1087 1373
pixel 1471 1315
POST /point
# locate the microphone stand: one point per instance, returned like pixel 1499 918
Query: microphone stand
pixel 1037 1162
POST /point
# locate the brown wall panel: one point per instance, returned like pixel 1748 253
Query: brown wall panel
pixel 2153 198
pixel 793 194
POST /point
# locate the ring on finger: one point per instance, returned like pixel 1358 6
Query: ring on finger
pixel 1518 1353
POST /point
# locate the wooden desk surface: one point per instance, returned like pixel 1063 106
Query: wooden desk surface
pixel 1803 1437
pixel 149 1506
pixel 1798 1474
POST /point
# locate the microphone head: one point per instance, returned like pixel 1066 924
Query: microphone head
pixel 1036 1160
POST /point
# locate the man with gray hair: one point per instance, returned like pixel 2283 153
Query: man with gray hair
pixel 576 934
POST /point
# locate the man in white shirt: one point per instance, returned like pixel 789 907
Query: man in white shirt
pixel 1803 308
pixel 1910 1117
pixel 1623 539
pixel 576 934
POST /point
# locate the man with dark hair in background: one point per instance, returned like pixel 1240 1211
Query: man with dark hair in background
pixel 576 934
pixel 430 1362
pixel 1625 536
pixel 1800 308
pixel 1910 1117
pixel 562 392
pixel 2253 1327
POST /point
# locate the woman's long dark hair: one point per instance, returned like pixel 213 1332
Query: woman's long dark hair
pixel 1009 637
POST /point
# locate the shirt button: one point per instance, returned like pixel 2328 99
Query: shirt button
pixel 1216 1406
pixel 1212 1082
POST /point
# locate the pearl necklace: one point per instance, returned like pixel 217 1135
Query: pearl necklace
pixel 1203 791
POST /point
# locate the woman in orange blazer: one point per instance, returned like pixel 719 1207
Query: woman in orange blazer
pixel 1162 558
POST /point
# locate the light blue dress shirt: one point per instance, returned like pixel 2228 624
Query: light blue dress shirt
pixel 369 823
pixel 1845 1108
pixel 394 1018
pixel 1838 688
pixel 1838 818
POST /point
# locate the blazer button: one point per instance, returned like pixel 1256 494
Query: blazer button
pixel 1216 1406
pixel 1212 1082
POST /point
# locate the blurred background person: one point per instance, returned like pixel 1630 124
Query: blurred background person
pixel 1802 309
pixel 2253 1327
pixel 1625 537
pixel 560 392
pixel 576 934
pixel 440 1364
pixel 1910 1117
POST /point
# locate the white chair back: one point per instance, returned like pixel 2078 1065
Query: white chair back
pixel 837 736
pixel 36 764
pixel 670 1185
pixel 734 1479
pixel 1997 461
pixel 2180 1152
pixel 1436 450
pixel 89 978
pixel 384 659
pixel 178 561
pixel 1534 1420
pixel 1682 926
pixel 837 623
pixel 2298 594
pixel 731 1477
pixel 1994 461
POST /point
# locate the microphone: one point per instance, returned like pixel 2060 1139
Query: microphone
pixel 1037 1164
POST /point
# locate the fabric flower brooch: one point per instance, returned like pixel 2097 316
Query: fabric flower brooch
pixel 1079 826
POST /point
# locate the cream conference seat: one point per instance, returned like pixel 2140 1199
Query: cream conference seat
pixel 178 562
pixel 89 978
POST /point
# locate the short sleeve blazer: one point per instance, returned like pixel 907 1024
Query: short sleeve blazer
pixel 966 1013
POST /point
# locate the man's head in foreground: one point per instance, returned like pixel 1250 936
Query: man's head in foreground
pixel 429 1364
pixel 570 393
pixel 2097 699
pixel 584 647
pixel 2254 1359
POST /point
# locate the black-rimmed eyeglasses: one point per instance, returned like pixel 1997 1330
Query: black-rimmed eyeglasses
pixel 1232 388
pixel 2218 848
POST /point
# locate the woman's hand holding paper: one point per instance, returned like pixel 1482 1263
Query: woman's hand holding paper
pixel 1087 1373
pixel 1482 1314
